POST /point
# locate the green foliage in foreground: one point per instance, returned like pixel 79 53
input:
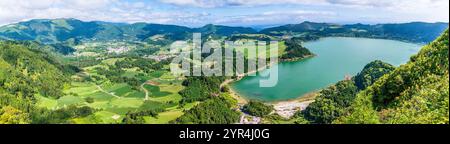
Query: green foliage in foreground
pixel 213 111
pixel 216 109
pixel 331 103
pixel 137 117
pixel 334 100
pixel 11 115
pixel 259 109
pixel 417 92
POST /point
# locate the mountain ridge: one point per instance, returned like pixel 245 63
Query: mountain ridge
pixel 416 32
pixel 60 30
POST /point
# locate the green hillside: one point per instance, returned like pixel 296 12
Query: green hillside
pixel 120 73
pixel 417 92
pixel 61 30
pixel 332 102
pixel 26 73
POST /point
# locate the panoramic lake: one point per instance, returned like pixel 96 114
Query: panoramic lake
pixel 336 58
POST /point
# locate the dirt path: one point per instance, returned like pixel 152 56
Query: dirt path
pixel 145 91
pixel 104 91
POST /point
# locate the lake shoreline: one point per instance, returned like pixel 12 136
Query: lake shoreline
pixel 339 57
pixel 242 100
pixel 285 108
pixel 335 58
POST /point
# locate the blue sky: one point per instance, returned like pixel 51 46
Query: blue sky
pixel 196 13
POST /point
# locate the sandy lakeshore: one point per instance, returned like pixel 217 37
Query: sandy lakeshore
pixel 287 109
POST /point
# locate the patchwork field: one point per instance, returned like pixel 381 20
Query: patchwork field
pixel 112 101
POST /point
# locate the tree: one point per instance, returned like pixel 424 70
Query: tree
pixel 294 50
pixel 372 72
pixel 213 111
pixel 133 119
pixel 200 88
pixel 257 109
pixel 11 115
pixel 89 100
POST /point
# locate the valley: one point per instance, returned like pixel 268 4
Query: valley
pixel 89 72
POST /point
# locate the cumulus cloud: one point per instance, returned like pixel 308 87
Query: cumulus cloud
pixel 224 3
pixel 395 10
pixel 197 12
pixel 366 3
pixel 89 10
pixel 275 17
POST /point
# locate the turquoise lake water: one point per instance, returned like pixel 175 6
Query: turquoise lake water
pixel 336 58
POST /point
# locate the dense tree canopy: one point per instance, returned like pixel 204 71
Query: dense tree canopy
pixel 30 72
pixel 212 111
pixel 26 72
pixel 333 101
pixel 257 108
pixel 200 88
pixel 11 115
pixel 372 72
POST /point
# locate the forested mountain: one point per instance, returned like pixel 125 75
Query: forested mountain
pixel 60 30
pixel 417 32
pixel 51 31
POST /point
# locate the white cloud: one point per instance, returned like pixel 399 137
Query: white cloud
pixel 276 17
pixel 224 3
pixel 12 11
pixel 382 10
pixel 365 3
pixel 88 10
